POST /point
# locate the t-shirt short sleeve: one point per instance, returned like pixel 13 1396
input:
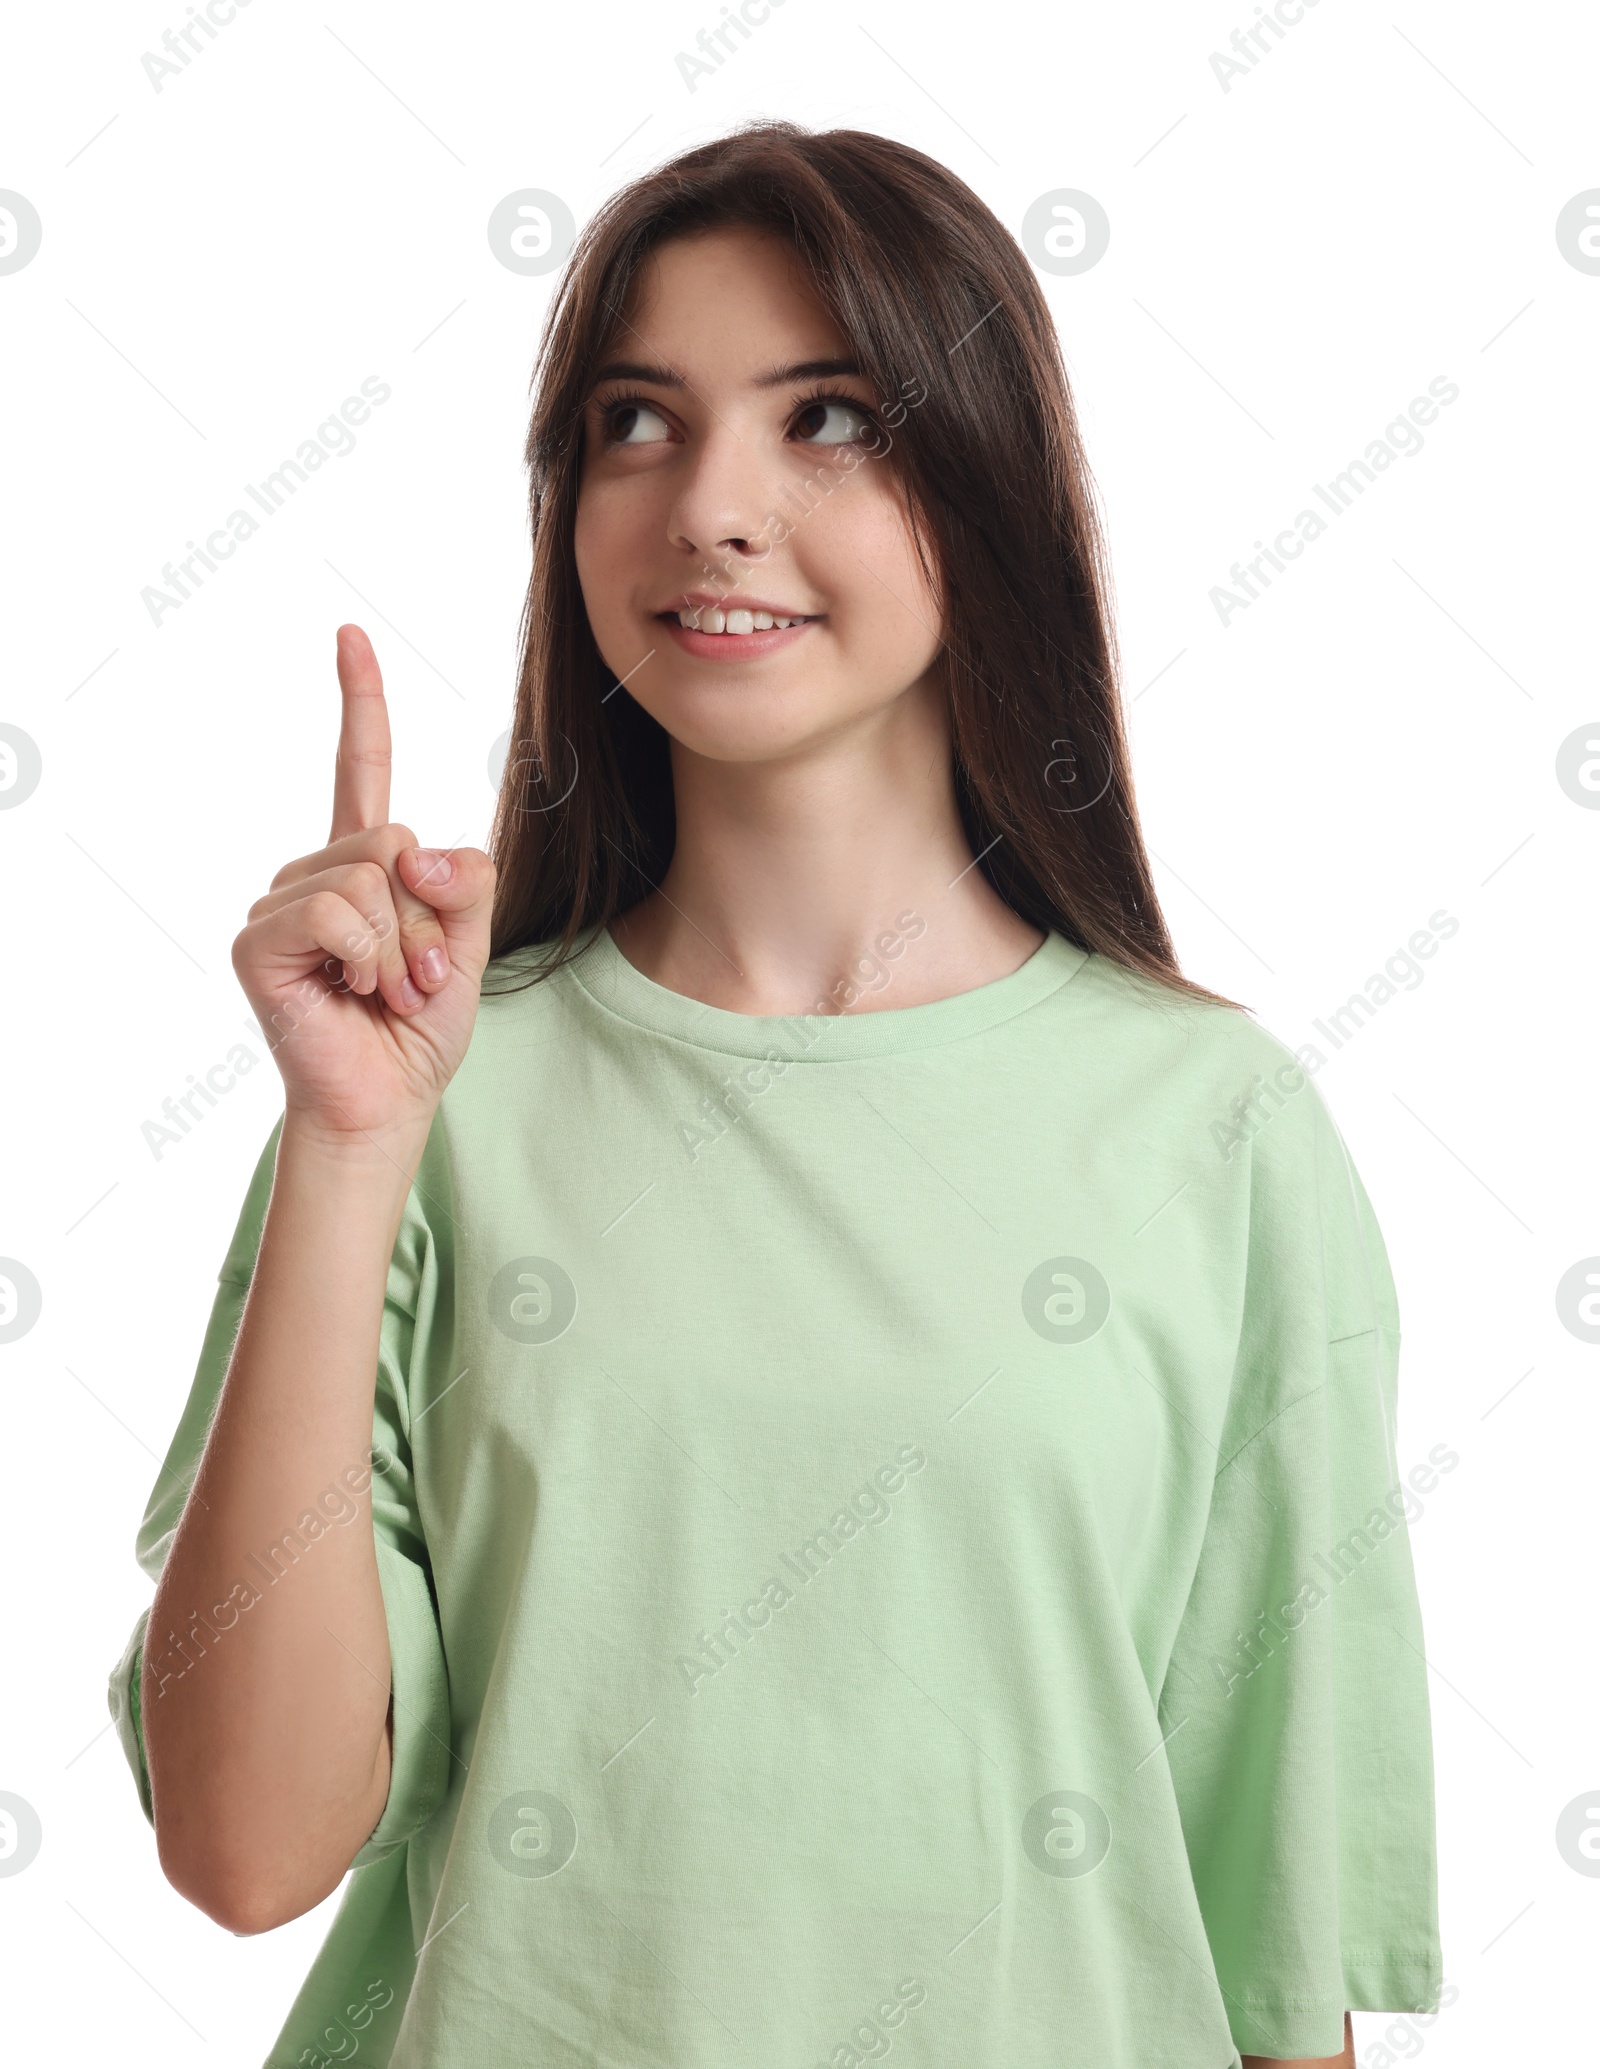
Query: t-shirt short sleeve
pixel 419 1690
pixel 1296 1699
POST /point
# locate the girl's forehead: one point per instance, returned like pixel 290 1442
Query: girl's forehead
pixel 733 282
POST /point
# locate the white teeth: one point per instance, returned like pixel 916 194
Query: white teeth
pixel 707 618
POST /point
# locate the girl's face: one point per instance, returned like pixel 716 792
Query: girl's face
pixel 735 471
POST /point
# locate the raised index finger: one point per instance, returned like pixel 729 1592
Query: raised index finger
pixel 361 770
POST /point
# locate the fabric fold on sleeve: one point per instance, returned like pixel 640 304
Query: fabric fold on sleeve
pixel 1296 1694
pixel 419 1692
pixel 419 1687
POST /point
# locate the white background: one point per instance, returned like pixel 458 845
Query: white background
pixel 1374 739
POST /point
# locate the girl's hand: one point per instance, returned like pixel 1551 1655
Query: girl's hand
pixel 362 962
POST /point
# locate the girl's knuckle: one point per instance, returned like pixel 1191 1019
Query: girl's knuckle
pixel 372 881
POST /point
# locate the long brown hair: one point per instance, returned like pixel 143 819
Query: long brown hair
pixel 939 305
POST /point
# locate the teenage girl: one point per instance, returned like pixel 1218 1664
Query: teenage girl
pixel 794 1455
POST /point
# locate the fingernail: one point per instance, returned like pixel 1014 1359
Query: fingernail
pixel 409 993
pixel 436 965
pixel 433 865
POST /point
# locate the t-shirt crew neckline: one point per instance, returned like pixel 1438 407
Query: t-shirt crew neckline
pixel 606 974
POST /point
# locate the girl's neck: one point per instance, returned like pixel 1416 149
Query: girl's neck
pixel 838 881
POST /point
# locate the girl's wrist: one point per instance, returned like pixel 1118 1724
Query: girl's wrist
pixel 382 1153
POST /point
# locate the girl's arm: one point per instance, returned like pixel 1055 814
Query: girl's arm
pixel 268 1751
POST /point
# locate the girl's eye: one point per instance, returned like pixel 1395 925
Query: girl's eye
pixel 635 423
pixel 831 423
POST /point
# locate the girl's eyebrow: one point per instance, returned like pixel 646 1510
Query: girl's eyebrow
pixel 777 377
pixel 806 370
pixel 639 370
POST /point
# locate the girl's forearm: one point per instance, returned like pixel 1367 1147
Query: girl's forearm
pixel 265 1681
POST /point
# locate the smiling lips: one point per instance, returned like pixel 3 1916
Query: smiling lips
pixel 742 620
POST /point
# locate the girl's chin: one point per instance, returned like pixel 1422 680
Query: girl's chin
pixel 730 721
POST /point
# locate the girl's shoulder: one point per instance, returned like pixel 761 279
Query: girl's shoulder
pixel 1128 1012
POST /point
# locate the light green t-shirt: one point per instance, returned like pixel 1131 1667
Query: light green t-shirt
pixel 892 1540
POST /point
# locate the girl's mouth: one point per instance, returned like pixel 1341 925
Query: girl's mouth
pixel 712 634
